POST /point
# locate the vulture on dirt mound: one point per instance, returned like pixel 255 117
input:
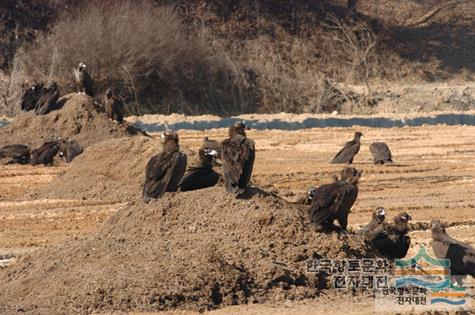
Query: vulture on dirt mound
pixel 18 153
pixel 48 99
pixel 203 175
pixel 165 170
pixel 238 159
pixel 381 153
pixel 213 145
pixel 391 240
pixel 349 151
pixel 30 97
pixel 45 154
pixel 370 231
pixel 113 106
pixel 69 149
pixel 461 255
pixel 333 201
pixel 83 81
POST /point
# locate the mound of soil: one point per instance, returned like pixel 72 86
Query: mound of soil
pixel 195 250
pixel 112 170
pixel 79 119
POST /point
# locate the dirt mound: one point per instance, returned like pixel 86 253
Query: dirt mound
pixel 79 119
pixel 195 250
pixel 110 170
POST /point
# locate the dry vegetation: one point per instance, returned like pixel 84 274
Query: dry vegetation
pixel 228 57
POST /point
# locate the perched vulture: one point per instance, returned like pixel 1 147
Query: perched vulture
pixel 370 231
pixel 113 106
pixel 165 170
pixel 391 240
pixel 69 149
pixel 334 201
pixel 48 99
pixel 349 151
pixel 45 154
pixel 83 81
pixel 461 255
pixel 18 153
pixel 30 97
pixel 381 153
pixel 238 159
pixel 203 175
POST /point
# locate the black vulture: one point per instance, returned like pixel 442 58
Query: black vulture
pixel 45 154
pixel 48 99
pixel 370 231
pixel 238 159
pixel 461 255
pixel 349 151
pixel 165 170
pixel 113 106
pixel 381 153
pixel 83 81
pixel 69 149
pixel 18 153
pixel 203 175
pixel 391 240
pixel 30 97
pixel 334 201
pixel 213 145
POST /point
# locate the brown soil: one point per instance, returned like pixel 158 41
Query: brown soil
pixel 200 250
pixel 195 250
pixel 79 119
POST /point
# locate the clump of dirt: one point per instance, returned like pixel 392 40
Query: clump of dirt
pixel 79 119
pixel 112 170
pixel 195 250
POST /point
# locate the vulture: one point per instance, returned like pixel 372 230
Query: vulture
pixel 47 101
pixel 349 151
pixel 391 240
pixel 307 199
pixel 461 255
pixel 368 232
pixel 113 106
pixel 45 154
pixel 213 145
pixel 18 153
pixel 83 81
pixel 238 154
pixel 69 149
pixel 333 201
pixel 381 153
pixel 165 170
pixel 203 175
pixel 30 97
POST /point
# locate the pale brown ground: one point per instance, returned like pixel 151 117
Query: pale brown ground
pixel 433 177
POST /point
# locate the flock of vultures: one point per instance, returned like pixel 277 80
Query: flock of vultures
pixel 168 172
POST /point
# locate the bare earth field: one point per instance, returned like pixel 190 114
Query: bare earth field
pixel 433 177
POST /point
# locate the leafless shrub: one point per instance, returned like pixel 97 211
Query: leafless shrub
pixel 141 50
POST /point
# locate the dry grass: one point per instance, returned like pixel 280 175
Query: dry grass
pixel 143 51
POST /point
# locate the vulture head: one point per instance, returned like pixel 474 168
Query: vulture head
pixel 437 226
pixel 81 66
pixel 358 135
pixel 402 218
pixel 109 93
pixel 350 175
pixel 379 214
pixel 311 193
pixel 169 136
pixel 239 128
